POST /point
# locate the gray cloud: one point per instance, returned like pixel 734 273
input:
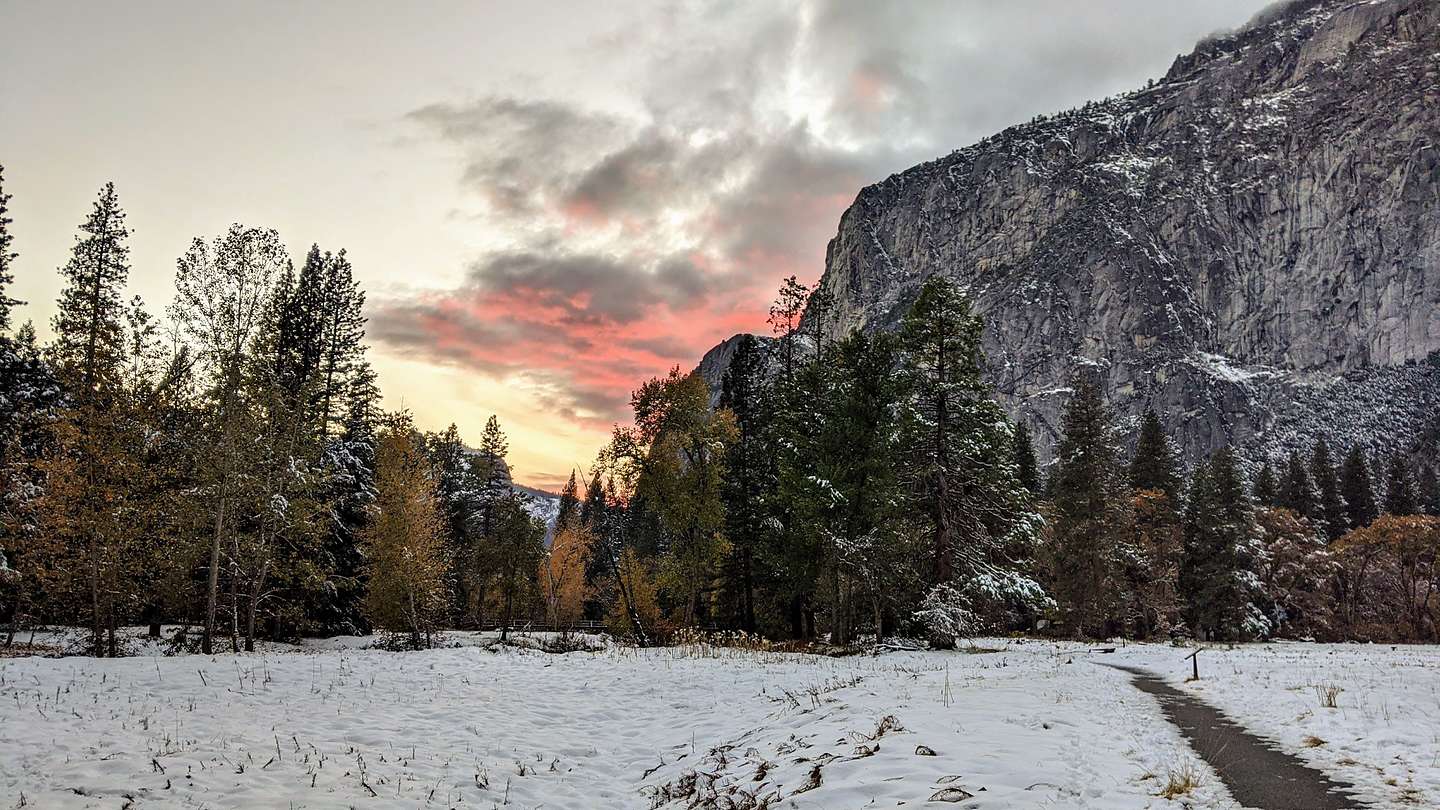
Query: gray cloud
pixel 754 126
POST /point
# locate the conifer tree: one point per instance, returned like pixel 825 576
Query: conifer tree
pixel 342 335
pixel 1358 490
pixel 403 543
pixel 89 325
pixel 1027 469
pixel 1429 486
pixel 785 323
pixel 1266 490
pixel 518 542
pixel 1331 510
pixel 958 456
pixel 493 474
pixel 858 497
pixel 1221 548
pixel 89 475
pixel 567 512
pixel 1155 466
pixel 1297 491
pixel 29 399
pixel 458 490
pixel 1400 498
pixel 750 476
pixel 1090 513
pixel 7 257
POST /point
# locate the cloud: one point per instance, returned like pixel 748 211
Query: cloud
pixel 640 234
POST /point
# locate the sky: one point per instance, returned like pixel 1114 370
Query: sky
pixel 547 203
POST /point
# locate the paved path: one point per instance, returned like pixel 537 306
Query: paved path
pixel 1258 775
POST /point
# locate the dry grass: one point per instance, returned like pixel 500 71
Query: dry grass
pixel 1312 742
pixel 1328 694
pixel 1180 781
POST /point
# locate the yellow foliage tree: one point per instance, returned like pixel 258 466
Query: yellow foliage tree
pixel 636 610
pixel 404 543
pixel 562 576
pixel 1390 578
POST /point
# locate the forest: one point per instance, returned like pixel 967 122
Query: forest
pixel 224 468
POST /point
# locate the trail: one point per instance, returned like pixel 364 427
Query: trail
pixel 1258 775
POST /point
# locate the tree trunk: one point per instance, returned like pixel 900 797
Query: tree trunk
pixel 748 624
pixel 212 588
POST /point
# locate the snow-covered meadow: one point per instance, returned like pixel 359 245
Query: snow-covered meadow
pixel 1015 724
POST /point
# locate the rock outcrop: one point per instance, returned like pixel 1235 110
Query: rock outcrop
pixel 1250 245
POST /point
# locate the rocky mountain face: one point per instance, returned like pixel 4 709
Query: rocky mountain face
pixel 1250 246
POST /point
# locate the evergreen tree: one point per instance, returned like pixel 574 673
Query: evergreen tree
pixel 1429 485
pixel 1357 489
pixel 518 547
pixel 1221 540
pixel 1331 510
pixel 1155 465
pixel 89 475
pixel 750 477
pixel 457 488
pixel 1090 513
pixel 1027 469
pixel 1266 489
pixel 1400 498
pixel 858 497
pixel 342 336
pixel 957 456
pixel 1297 491
pixel 29 400
pixel 7 276
pixel 89 348
pixel 567 513
pixel 492 474
pixel 785 323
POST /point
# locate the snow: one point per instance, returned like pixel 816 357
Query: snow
pixel 1013 723
pixel 1384 735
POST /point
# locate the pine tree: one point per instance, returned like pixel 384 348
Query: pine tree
pixel 493 474
pixel 568 511
pixel 518 547
pixel 958 450
pixel 342 336
pixel 1027 469
pixel 404 544
pixel 7 256
pixel 89 326
pixel 750 477
pixel 1221 548
pixel 1357 489
pixel 91 472
pixel 1266 490
pixel 1155 465
pixel 458 490
pixel 1090 513
pixel 860 489
pixel 1297 491
pixel 785 323
pixel 1429 486
pixel 1400 498
pixel 1331 510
